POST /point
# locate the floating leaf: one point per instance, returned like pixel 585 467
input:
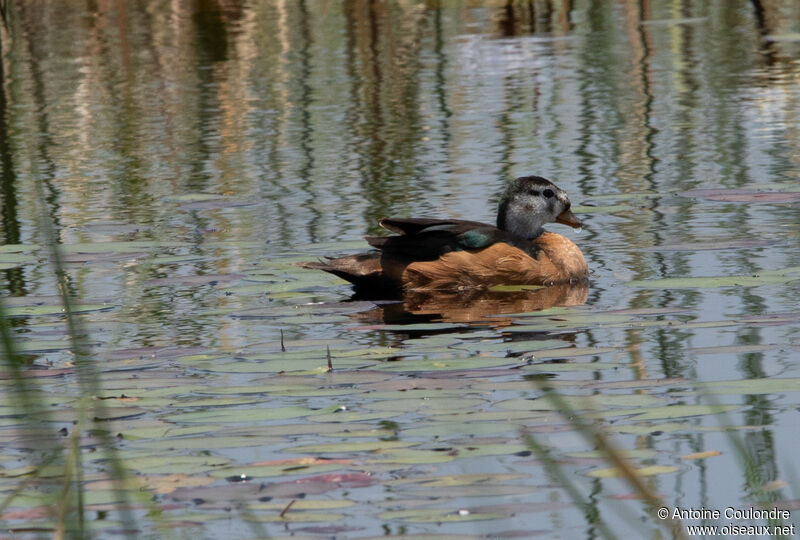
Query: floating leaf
pixel 675 21
pixel 264 471
pixel 41 310
pixel 513 346
pixel 733 349
pixel 121 247
pixel 630 196
pixel 674 411
pixel 242 415
pixel 573 352
pixel 702 455
pixel 411 456
pixel 307 361
pixel 599 401
pixel 416 402
pixel 314 392
pixel 295 488
pixel 653 470
pixel 14 259
pixel 453 480
pixel 19 471
pixel 304 426
pixel 567 321
pixel 206 442
pixel 336 247
pixel 107 413
pixel 711 245
pixel 304 504
pixel 193 197
pixel 42 346
pixel 294 517
pixel 420 327
pixel 349 447
pixel 433 515
pixel 790 274
pixel 507 418
pixel 751 386
pixel 441 429
pixel 675 324
pixel 493 447
pixel 744 195
pixel 607 209
pixel 165 483
pixel 649 429
pixel 444 364
pixel 18 248
pixel 787 37
pixel 483 490
pixel 354 416
pixel 642 453
pixel 192 280
pixel 561 367
pixel 173 464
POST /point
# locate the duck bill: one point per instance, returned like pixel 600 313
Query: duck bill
pixel 568 218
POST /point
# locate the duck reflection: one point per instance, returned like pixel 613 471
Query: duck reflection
pixel 493 307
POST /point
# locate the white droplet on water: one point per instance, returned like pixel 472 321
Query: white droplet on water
pixel 578 230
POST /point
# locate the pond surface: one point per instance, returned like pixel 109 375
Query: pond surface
pixel 189 154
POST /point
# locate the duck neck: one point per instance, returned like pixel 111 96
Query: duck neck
pixel 519 221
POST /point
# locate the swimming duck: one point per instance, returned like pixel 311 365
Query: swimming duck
pixel 450 254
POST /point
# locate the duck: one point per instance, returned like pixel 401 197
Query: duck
pixel 429 254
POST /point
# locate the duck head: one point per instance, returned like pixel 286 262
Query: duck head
pixel 531 201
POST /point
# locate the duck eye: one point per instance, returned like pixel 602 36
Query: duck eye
pixel 548 193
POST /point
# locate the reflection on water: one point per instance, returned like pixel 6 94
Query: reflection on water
pixel 484 306
pixel 231 139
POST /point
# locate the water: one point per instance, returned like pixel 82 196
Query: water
pixel 218 144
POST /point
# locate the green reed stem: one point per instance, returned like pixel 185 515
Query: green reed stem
pixel 554 471
pixel 88 378
pixel 752 475
pixel 594 435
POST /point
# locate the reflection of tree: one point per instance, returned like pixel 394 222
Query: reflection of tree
pixel 303 104
pixel 516 18
pixel 383 46
pixel 8 187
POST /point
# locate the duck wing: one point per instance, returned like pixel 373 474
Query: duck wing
pixel 425 239
pixel 411 226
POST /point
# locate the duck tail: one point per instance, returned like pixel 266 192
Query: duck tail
pixel 351 266
pixel 363 270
